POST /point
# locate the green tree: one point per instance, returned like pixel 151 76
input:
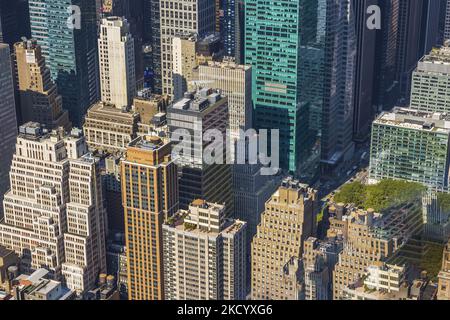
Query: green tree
pixel 351 193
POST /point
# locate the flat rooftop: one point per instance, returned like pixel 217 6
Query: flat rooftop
pixel 414 119
pixel 107 111
pixel 147 142
pixel 197 101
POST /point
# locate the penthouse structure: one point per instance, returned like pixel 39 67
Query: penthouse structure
pixel 54 214
pixel 288 220
pixel 190 120
pixel 411 145
pixel 204 254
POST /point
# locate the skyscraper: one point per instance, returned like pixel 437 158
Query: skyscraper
pixel 289 219
pixel 181 17
pixel 8 129
pixel 54 215
pixel 274 57
pixel 9 29
pixel 85 238
pixel 133 11
pixel 386 84
pixel 411 145
pixel 149 196
pixel 70 50
pixel 229 27
pixel 39 98
pixel 235 82
pixel 116 56
pixel 430 25
pixel 204 254
pixel 195 114
pixel 251 190
pixel 152 45
pixel 408 43
pixel 364 71
pixel 343 59
pixel 303 78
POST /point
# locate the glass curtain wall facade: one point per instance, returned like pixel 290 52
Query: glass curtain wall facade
pixel 284 43
pixel 71 53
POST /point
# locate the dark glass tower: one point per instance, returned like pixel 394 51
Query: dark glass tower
pixel 386 89
pixel 228 19
pixel 14 21
pixel 152 46
pixel 71 53
pixel 364 112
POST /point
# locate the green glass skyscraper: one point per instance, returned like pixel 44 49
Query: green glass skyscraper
pixel 303 61
pixel 70 52
pixel 272 47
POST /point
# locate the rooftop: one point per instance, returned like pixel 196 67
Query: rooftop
pixel 228 63
pixel 147 142
pixel 415 119
pixel 197 101
pixel 106 111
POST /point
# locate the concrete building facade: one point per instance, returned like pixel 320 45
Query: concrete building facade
pixel 204 254
pixel 289 219
pixel 54 214
pixel 116 60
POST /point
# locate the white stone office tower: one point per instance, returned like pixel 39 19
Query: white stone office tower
pixel 204 254
pixel 116 60
pixel 84 241
pixel 182 17
pixel 8 129
pixel 54 215
pixel 235 82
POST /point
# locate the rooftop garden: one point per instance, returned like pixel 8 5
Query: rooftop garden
pixel 380 196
